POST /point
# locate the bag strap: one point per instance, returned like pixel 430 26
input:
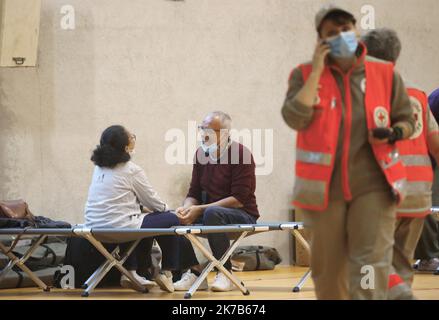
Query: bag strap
pixel 258 259
pixel 49 250
pixel 14 244
pixel 20 278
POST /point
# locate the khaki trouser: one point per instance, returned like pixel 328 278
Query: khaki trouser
pixel 352 246
pixel 407 234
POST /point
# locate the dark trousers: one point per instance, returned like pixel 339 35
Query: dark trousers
pixel 140 259
pixel 218 242
pixel 428 244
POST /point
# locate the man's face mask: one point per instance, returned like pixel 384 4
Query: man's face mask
pixel 210 144
pixel 209 149
pixel 344 45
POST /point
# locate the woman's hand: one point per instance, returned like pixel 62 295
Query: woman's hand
pixel 376 141
pixel 307 95
pixel 146 210
pixel 318 60
pixel 189 215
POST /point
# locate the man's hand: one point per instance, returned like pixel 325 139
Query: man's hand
pixel 179 210
pixel 189 215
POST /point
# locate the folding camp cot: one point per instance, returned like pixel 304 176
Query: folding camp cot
pixel 107 235
pixel 116 258
pixel 236 232
pixel 41 235
pixel 240 233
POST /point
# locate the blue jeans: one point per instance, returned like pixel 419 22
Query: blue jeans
pixel 140 258
pixel 218 242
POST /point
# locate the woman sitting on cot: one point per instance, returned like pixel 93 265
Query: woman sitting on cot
pixel 117 191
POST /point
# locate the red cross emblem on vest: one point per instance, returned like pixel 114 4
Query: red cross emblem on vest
pixel 381 117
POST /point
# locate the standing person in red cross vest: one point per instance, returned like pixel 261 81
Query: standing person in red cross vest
pixel 348 109
pixel 384 44
pixel 427 250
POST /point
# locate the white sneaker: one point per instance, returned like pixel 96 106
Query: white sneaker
pixel 125 282
pixel 187 280
pixel 222 283
pixel 164 281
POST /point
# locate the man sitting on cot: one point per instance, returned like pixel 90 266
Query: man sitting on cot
pixel 222 192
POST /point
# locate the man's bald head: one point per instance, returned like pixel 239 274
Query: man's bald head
pixel 217 120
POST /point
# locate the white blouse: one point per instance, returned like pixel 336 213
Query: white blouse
pixel 115 195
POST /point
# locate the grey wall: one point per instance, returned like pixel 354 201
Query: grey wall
pixel 152 65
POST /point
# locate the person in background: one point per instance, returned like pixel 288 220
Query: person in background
pixel 118 189
pixel 384 44
pixel 427 250
pixel 349 109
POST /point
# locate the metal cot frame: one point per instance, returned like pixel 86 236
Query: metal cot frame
pixel 116 259
pixel 41 235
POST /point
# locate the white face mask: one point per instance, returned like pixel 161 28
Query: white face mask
pixel 212 150
pixel 209 149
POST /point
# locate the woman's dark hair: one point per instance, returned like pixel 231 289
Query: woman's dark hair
pixel 111 150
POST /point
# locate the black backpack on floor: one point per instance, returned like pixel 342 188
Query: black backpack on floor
pixel 85 259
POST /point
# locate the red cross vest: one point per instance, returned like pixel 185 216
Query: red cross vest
pixel 316 145
pixel 414 155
